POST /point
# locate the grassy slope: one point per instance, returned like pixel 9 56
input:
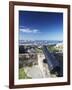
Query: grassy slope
pixel 22 74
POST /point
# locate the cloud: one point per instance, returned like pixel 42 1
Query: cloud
pixel 21 26
pixel 27 30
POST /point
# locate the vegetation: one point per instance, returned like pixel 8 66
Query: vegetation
pixel 30 65
pixel 22 74
pixel 52 49
pixel 39 50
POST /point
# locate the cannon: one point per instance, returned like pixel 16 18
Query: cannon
pixel 53 64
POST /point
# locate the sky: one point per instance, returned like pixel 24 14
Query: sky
pixel 35 25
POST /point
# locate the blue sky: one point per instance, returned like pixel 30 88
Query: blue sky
pixel 40 25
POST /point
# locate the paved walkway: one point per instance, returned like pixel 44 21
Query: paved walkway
pixel 39 71
pixel 44 67
pixel 33 71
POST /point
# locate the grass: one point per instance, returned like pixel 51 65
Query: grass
pixel 30 65
pixel 22 74
pixel 52 49
pixel 39 50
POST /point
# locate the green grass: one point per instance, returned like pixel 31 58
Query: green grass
pixel 39 50
pixel 52 49
pixel 22 74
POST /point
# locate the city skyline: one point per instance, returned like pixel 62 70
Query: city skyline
pixel 35 25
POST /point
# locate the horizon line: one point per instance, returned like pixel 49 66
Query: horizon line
pixel 43 40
